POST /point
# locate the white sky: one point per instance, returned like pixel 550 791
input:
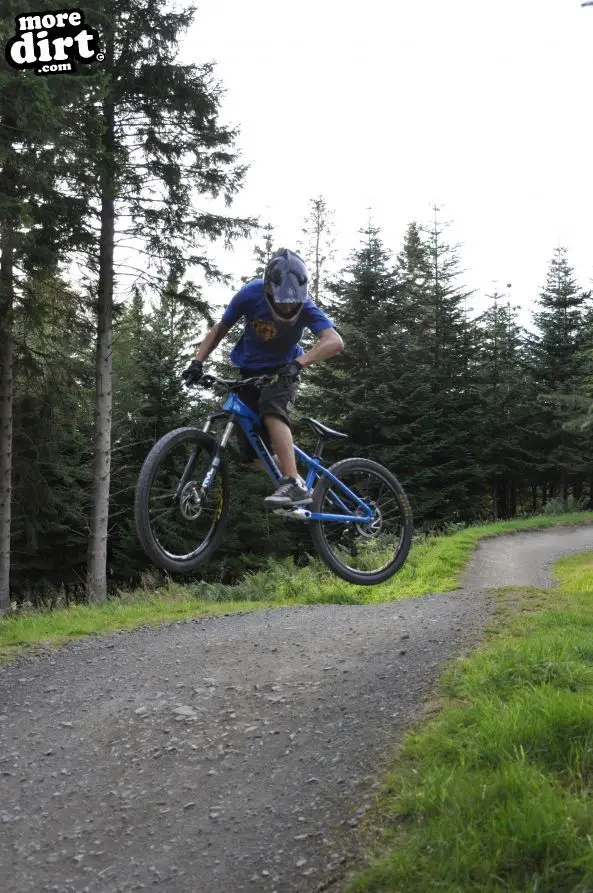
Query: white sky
pixel 484 108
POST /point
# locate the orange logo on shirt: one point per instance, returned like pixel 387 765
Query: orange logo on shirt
pixel 264 329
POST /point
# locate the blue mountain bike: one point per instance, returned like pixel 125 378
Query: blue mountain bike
pixel 360 518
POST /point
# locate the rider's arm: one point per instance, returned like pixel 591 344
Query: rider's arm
pixel 233 312
pixel 213 338
pixel 328 343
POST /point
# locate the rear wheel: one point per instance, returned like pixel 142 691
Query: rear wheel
pixel 365 553
pixel 179 526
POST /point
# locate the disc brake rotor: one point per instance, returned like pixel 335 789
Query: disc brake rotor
pixel 371 528
pixel 190 502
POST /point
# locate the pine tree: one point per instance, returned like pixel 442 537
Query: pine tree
pixel 39 218
pixel 352 389
pixel 162 141
pixel 579 404
pixel 262 253
pixel 53 420
pixel 440 351
pixel 505 401
pixel 416 420
pixel 557 353
pixel 317 246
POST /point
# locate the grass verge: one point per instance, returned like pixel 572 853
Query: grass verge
pixel 434 565
pixel 494 794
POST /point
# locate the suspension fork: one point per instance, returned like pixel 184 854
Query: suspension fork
pixel 217 458
pixel 189 468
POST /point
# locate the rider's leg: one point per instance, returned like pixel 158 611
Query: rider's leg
pixel 250 396
pixel 275 407
pixel 281 437
pixel 292 489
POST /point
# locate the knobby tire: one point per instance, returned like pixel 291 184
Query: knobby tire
pixel 149 543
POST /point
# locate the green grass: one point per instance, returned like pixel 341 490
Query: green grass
pixel 434 565
pixel 58 626
pixel 494 794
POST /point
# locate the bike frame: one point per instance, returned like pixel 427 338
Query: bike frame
pixel 238 412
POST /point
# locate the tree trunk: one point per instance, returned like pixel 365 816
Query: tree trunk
pixel 513 505
pixel 508 498
pixel 97 549
pixel 6 397
pixel 500 500
pixel 534 497
pixel 563 486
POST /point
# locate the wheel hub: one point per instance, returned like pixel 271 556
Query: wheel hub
pixel 190 502
pixel 372 528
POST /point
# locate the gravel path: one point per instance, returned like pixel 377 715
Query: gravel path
pixel 228 754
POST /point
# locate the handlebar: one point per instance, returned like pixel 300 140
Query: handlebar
pixel 232 384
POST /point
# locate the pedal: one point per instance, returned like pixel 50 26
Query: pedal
pixel 298 513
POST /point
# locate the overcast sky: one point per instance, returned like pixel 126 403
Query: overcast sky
pixel 483 108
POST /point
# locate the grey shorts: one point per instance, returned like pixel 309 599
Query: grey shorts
pixel 273 399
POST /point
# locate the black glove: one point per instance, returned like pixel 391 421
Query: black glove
pixel 193 373
pixel 291 370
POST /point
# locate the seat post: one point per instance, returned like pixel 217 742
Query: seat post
pixel 318 448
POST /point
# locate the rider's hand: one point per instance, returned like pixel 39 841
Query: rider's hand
pixel 193 373
pixel 291 370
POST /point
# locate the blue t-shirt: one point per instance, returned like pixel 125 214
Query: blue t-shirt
pixel 265 341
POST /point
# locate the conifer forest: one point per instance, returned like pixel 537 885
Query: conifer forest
pixel 115 184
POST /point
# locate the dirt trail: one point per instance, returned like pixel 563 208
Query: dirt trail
pixel 229 754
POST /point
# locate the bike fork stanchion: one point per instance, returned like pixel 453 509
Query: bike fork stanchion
pixel 214 465
pixel 187 474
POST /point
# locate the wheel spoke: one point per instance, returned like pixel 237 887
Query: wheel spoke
pixel 167 511
pixel 369 547
pixel 180 531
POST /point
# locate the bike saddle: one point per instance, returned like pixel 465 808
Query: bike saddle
pixel 322 430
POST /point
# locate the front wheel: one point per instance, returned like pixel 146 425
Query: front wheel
pixel 365 553
pixel 180 524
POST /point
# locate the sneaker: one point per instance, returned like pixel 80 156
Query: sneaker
pixel 290 492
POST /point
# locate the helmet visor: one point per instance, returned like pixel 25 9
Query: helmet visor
pixel 288 288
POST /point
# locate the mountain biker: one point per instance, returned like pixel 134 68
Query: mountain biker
pixel 276 309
